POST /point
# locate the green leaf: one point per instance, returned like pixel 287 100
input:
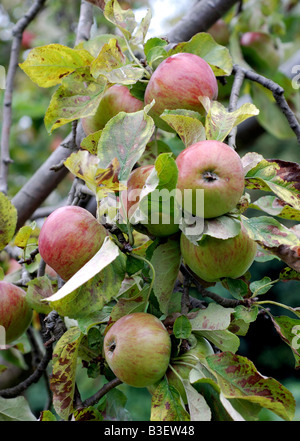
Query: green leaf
pixel 15 409
pixel 24 234
pixel 136 302
pixel 262 286
pixel 140 32
pixel 280 177
pixel 38 289
pixel 237 287
pixel 214 317
pixel 198 407
pixel 238 378
pixel 2 77
pixel 289 331
pixel 95 44
pixel 8 220
pixel 78 96
pixel 90 142
pixel 166 404
pixel 125 137
pixel 182 327
pixel 62 381
pixel 48 65
pixel 203 45
pixel 87 414
pixel 224 339
pixel 124 19
pixel 108 252
pixel 276 207
pixel 155 51
pixel 166 261
pixel 187 124
pixel 219 122
pixel 47 415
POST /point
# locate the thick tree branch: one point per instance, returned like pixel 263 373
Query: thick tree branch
pixel 199 19
pixel 101 392
pixel 11 72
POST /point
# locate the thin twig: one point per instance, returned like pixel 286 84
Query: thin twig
pixel 101 392
pixel 11 72
pixel 278 94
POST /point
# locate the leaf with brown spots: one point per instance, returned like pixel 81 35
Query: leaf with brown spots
pixel 238 378
pixel 289 331
pixel 62 381
pixel 276 207
pixel 271 235
pixel 166 404
pixel 8 221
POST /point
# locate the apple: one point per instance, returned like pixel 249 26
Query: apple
pixel 15 313
pixel 167 224
pixel 116 99
pixel 213 259
pixel 201 350
pixel 137 348
pixel 69 238
pixel 177 83
pixel 217 169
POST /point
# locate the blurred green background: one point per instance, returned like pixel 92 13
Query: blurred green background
pixel 30 145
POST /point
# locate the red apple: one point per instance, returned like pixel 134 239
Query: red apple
pixel 15 313
pixel 185 363
pixel 177 83
pixel 217 169
pixel 69 238
pixel 137 348
pixel 213 259
pixel 166 220
pixel 116 99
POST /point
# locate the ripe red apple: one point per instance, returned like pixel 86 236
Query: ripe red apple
pixel 15 313
pixel 137 348
pixel 69 238
pixel 177 83
pixel 116 99
pixel 217 169
pixel 167 216
pixel 212 259
pixel 191 357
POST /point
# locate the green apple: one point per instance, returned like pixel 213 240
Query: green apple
pixel 116 99
pixel 15 313
pixel 217 169
pixel 69 238
pixel 177 83
pixel 213 259
pixel 161 216
pixel 188 359
pixel 137 348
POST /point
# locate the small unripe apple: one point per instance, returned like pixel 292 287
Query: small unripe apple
pixel 220 32
pixel 213 259
pixel 69 238
pixel 167 221
pixel 137 348
pixel 116 99
pixel 187 360
pixel 15 313
pixel 177 83
pixel 217 169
